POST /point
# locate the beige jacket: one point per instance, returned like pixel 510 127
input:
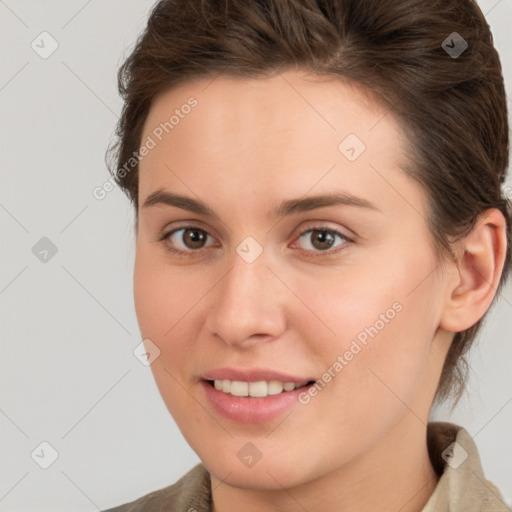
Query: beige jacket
pixel 454 455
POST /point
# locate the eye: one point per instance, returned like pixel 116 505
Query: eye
pixel 191 239
pixel 322 239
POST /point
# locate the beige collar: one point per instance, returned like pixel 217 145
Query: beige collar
pixel 462 486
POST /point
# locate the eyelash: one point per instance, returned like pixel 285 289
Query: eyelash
pixel 181 252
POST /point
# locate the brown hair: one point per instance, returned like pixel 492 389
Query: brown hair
pixel 452 106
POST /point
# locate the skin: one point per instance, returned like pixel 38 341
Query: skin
pixel 360 444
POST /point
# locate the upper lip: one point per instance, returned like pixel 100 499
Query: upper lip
pixel 252 375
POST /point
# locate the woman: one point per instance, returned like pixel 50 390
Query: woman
pixel 320 231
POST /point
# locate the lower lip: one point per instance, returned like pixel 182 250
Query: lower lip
pixel 250 409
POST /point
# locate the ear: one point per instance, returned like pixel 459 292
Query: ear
pixel 480 260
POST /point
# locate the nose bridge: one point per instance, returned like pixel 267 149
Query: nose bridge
pixel 246 301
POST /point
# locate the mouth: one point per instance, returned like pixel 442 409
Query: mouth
pixel 253 401
pixel 253 395
pixel 256 389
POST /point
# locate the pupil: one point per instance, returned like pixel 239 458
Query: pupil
pixel 325 241
pixel 194 238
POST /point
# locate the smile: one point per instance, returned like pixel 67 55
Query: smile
pixel 259 389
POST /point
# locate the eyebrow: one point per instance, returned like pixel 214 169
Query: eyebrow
pixel 287 207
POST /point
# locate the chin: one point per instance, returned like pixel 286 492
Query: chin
pixel 258 478
pixel 271 473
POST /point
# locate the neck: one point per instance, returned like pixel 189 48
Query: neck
pixel 396 474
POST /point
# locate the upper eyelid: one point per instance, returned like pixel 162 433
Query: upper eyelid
pixel 318 226
pixel 166 233
pixel 312 224
pixel 336 232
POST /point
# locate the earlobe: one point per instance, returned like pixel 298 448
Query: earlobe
pixel 479 269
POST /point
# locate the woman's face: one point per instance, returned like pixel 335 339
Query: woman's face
pixel 272 284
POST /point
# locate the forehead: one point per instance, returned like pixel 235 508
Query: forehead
pixel 287 131
pixel 290 100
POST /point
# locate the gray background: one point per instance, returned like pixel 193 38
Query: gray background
pixel 68 373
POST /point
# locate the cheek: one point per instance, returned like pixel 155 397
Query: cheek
pixel 162 295
pixel 170 307
pixel 164 303
pixel 383 325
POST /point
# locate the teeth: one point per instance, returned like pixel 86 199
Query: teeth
pixel 275 387
pixel 238 388
pixel 258 389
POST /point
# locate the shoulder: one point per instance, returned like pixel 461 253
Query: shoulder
pixel 191 493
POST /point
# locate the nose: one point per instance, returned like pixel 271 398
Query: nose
pixel 247 304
